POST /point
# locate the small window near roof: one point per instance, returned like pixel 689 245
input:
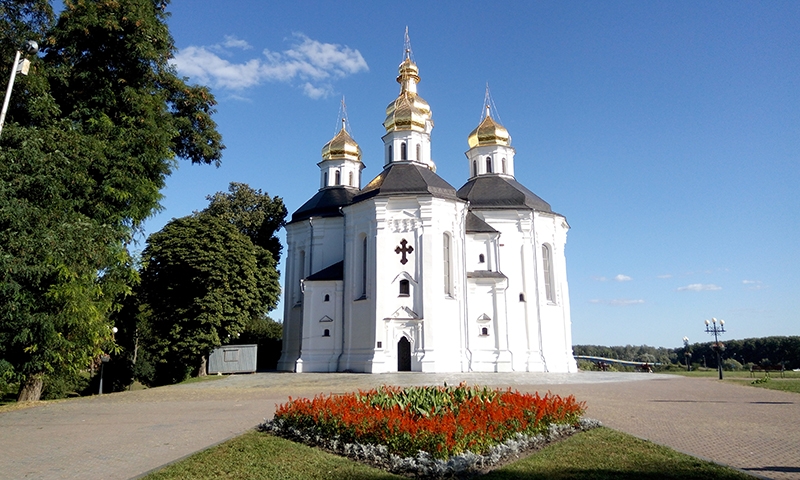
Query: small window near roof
pixel 521 297
pixel 404 288
pixel 484 332
pixel 326 333
pixel 481 258
pixel 327 298
pixel 488 164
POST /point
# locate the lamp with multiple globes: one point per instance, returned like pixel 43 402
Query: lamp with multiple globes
pixel 717 327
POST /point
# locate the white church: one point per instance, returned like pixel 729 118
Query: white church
pixel 410 274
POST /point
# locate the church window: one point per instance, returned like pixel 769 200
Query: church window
pixel 351 180
pixel 521 297
pixel 404 288
pixel 474 167
pixel 301 271
pixel 391 157
pixel 327 298
pixel 547 266
pixel 403 152
pixel 488 164
pixel 326 333
pixel 503 163
pixel 364 268
pixel 338 177
pixel 481 258
pixel 419 152
pixel 447 260
pixel 484 332
pixel 325 179
pixel 380 344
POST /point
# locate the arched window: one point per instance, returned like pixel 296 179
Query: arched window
pixel 419 152
pixel 403 152
pixel 326 333
pixel 391 157
pixel 504 165
pixel 338 177
pixel 547 267
pixel 484 332
pixel 364 268
pixel 327 298
pixel 481 258
pixel 352 184
pixel 404 288
pixel 325 179
pixel 447 261
pixel 488 164
pixel 521 297
pixel 474 167
pixel 301 274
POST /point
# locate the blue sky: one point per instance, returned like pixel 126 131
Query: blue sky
pixel 667 133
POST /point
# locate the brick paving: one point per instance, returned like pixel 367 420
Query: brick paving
pixel 125 435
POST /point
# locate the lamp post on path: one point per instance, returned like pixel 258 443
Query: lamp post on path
pixel 21 67
pixel 686 353
pixel 717 329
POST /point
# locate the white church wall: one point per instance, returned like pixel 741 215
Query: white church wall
pixel 555 324
pixel 322 327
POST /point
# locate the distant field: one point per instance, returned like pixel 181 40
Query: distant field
pixel 790 382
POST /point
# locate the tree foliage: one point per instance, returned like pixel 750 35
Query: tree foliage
pixel 91 135
pixel 201 283
pixel 210 278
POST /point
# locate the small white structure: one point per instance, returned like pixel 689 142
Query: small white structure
pixel 233 359
pixel 410 274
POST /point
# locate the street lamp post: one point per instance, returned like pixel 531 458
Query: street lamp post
pixel 21 67
pixel 717 329
pixel 686 353
pixel 103 360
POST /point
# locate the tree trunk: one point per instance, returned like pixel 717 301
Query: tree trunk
pixel 201 370
pixel 31 388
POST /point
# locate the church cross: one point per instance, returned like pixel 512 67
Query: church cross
pixel 404 250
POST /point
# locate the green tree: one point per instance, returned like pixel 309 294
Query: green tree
pixel 252 212
pixel 201 283
pixel 91 135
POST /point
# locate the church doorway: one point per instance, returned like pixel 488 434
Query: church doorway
pixel 403 355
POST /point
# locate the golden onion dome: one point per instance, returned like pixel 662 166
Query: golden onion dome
pixel 341 145
pixel 408 111
pixel 489 132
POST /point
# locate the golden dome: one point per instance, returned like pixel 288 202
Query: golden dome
pixel 341 145
pixel 489 132
pixel 408 111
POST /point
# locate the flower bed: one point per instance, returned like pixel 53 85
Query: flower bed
pixel 443 422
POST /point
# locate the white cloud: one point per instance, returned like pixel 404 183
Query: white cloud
pixel 624 302
pixel 233 42
pixel 668 275
pixel 310 63
pixel 622 278
pixel 618 302
pixel 600 279
pixel 754 284
pixel 699 287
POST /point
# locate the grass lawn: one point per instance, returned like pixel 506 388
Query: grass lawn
pixel 790 382
pixel 601 453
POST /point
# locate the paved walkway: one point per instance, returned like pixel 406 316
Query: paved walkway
pixel 124 435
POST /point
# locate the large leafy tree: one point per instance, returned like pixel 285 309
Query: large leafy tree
pixel 201 284
pixel 91 135
pixel 208 278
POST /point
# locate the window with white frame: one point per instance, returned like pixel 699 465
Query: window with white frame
pixel 547 267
